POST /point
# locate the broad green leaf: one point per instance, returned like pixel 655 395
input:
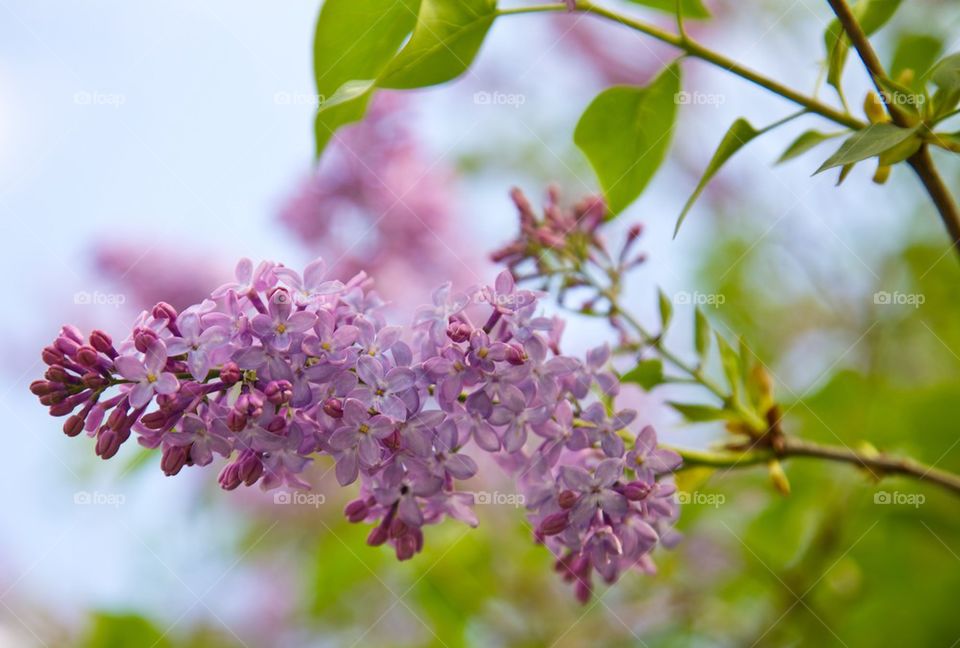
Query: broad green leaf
pixel 946 76
pixel 805 142
pixel 701 333
pixel 625 133
pixel 348 104
pixel 700 413
pixel 648 374
pixel 917 53
pixel 867 143
pixel 354 41
pixel 872 15
pixel 445 41
pixel 688 8
pixel 739 133
pixel 731 364
pixel 666 309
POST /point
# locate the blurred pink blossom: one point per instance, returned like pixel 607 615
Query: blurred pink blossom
pixel 379 201
pixel 147 276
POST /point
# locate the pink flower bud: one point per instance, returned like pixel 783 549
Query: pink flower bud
pixel 333 407
pixel 102 343
pixel 567 499
pixel 553 524
pixel 73 425
pixel 230 374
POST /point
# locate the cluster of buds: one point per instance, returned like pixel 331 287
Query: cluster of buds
pixel 563 248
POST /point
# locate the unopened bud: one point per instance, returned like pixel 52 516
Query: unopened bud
pixel 567 499
pixel 882 173
pixel 333 407
pixel 778 477
pixel 230 374
pixel 875 109
pixel 553 524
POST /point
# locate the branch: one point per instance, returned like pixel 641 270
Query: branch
pixel 695 49
pixel 920 162
pixel 878 466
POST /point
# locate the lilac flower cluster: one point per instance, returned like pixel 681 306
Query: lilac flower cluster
pixel 277 368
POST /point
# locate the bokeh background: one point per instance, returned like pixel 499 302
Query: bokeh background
pixel 145 148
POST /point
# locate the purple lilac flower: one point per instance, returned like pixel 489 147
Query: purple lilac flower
pixel 198 343
pixel 649 461
pixel 358 440
pixel 148 374
pixel 276 369
pixel 280 321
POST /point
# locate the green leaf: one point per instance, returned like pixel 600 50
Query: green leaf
pixel 739 133
pixel 805 142
pixel 872 15
pixel 916 52
pixel 689 8
pixel 946 76
pixel 701 333
pixel 844 172
pixel 869 142
pixel 648 374
pixel 666 309
pixel 354 41
pixel 625 133
pixel 700 413
pixel 445 41
pixel 731 364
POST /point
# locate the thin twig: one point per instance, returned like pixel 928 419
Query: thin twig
pixel 920 162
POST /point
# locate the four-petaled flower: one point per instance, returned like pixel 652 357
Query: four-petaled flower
pixel 147 374
pixel 275 326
